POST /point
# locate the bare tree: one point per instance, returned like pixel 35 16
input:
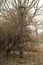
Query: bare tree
pixel 21 13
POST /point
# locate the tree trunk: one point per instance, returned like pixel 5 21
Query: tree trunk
pixel 21 52
pixel 21 21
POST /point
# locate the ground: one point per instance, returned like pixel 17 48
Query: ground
pixel 30 58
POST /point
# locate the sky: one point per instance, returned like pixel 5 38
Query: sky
pixel 41 2
pixel 40 29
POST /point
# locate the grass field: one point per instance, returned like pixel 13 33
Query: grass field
pixel 40 41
